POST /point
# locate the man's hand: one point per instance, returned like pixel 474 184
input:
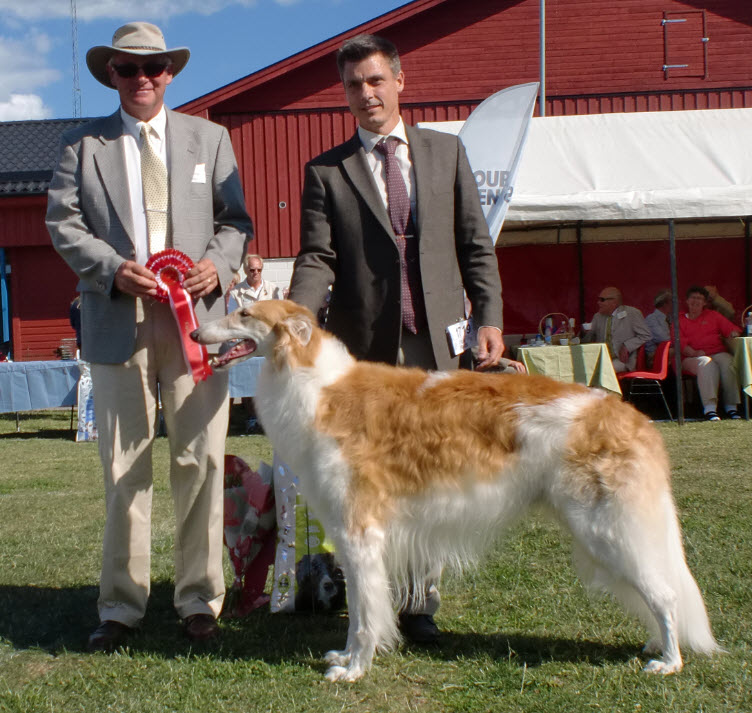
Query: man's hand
pixel 136 280
pixel 201 279
pixel 623 354
pixel 490 347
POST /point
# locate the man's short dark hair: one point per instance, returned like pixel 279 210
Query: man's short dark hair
pixel 697 290
pixel 361 47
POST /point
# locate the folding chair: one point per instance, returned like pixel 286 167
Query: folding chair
pixel 648 383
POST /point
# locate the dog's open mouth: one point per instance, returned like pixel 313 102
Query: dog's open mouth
pixel 244 348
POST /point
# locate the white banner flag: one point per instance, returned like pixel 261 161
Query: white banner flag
pixel 494 136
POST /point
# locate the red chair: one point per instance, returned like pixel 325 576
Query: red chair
pixel 648 383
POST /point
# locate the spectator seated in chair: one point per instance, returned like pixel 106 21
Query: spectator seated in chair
pixel 704 354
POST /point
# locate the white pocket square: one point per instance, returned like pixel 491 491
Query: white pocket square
pixel 199 173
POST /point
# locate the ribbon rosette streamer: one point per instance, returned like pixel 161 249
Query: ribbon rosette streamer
pixel 169 268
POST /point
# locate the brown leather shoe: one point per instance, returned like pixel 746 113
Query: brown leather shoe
pixel 108 636
pixel 201 627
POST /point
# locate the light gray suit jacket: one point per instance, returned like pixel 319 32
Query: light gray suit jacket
pixel 627 327
pixel 347 240
pixel 89 220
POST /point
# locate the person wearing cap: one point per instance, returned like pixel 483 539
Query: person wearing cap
pixel 108 171
pixel 659 323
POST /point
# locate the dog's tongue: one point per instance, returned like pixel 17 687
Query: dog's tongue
pixel 244 348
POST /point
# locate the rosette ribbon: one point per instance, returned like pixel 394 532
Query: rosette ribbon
pixel 169 268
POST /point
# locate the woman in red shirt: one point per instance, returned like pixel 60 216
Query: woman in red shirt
pixel 704 354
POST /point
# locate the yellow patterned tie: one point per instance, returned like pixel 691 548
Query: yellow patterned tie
pixel 608 336
pixel 156 196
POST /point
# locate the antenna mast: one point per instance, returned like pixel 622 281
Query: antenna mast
pixel 76 86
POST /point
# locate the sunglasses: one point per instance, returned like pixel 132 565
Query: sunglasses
pixel 605 299
pixel 130 70
pixel 255 269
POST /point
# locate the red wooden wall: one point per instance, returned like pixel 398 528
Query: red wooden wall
pixel 538 279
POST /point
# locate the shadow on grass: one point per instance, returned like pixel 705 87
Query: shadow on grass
pixel 60 620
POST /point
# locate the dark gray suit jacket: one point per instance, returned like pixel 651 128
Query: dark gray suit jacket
pixel 90 223
pixel 347 241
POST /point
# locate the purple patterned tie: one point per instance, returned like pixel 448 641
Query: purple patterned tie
pixel 398 205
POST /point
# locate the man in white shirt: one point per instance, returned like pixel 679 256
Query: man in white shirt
pixel 105 226
pixel 399 248
pixel 254 288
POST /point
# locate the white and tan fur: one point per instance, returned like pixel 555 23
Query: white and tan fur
pixel 410 470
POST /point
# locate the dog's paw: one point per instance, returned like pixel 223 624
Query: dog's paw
pixel 654 646
pixel 342 673
pixel 337 658
pixel 663 667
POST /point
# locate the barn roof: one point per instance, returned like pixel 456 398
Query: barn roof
pixel 28 154
pixel 321 49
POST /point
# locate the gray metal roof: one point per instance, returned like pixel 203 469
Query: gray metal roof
pixel 28 154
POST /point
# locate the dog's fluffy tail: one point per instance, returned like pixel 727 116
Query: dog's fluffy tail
pixel 651 558
pixel 692 618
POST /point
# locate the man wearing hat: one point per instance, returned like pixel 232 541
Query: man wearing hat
pixel 127 186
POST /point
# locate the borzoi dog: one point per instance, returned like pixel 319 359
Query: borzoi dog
pixel 409 470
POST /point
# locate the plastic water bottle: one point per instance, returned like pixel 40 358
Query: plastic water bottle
pixel 748 324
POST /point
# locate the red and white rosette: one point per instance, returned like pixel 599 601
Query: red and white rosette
pixel 169 268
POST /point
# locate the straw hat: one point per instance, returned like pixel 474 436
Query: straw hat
pixel 136 38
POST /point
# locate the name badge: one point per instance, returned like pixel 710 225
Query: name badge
pixel 461 336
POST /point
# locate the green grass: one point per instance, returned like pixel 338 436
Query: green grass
pixel 520 634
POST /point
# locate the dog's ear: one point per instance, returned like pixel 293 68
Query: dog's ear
pixel 300 328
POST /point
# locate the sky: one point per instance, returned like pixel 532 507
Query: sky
pixel 228 39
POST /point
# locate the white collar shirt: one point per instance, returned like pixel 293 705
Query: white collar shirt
pixel 377 161
pixel 131 146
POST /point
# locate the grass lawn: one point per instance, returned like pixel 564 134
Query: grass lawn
pixel 520 634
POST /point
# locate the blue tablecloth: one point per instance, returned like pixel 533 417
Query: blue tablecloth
pixel 33 385
pixel 36 385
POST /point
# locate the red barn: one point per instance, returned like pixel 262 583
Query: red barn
pixel 601 57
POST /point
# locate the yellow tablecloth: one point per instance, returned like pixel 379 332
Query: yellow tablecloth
pixel 743 362
pixel 588 364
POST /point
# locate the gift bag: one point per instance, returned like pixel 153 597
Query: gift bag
pixel 249 533
pixel 307 576
pixel 87 425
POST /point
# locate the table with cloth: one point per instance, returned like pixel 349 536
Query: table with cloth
pixel 588 364
pixel 37 385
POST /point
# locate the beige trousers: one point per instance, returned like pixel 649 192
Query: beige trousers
pixel 126 408
pixel 712 371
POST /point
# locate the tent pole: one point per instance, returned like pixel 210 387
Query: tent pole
pixel 580 272
pixel 747 261
pixel 675 321
pixel 542 51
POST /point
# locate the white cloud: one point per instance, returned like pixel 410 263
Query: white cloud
pixel 23 106
pixel 115 9
pixel 23 64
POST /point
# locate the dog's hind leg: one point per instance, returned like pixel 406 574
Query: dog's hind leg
pixel 372 620
pixel 622 556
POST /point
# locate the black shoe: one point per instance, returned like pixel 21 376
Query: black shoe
pixel 712 416
pixel 419 628
pixel 108 636
pixel 201 627
pixel 733 414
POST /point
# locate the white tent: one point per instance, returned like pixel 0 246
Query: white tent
pixel 634 166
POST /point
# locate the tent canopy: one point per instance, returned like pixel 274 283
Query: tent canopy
pixel 633 166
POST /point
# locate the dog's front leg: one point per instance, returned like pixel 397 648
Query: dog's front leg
pixel 372 621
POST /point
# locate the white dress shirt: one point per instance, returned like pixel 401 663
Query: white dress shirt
pixel 377 161
pixel 132 148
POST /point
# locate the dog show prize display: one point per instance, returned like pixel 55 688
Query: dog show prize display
pixel 169 268
pixel 249 533
pixel 306 574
